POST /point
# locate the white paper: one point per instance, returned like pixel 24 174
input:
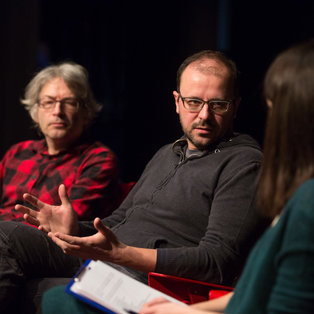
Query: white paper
pixel 114 290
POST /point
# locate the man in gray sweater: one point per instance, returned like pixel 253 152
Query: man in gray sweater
pixel 191 214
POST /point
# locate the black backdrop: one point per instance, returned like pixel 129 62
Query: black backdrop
pixel 132 50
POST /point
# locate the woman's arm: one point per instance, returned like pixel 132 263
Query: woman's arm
pixel 163 306
pixel 217 305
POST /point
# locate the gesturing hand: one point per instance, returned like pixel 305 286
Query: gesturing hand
pixel 51 218
pixel 103 245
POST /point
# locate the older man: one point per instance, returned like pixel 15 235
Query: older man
pixel 61 104
pixel 192 212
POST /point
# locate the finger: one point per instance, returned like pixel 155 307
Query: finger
pixel 33 200
pixel 29 215
pixel 145 310
pixel 68 238
pixel 148 308
pixel 63 195
pixel 25 210
pixel 31 220
pixel 156 301
pixel 64 245
pixel 71 249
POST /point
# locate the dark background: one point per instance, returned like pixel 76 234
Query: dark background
pixel 132 50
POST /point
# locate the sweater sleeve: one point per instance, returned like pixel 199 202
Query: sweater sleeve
pixel 293 289
pixel 233 226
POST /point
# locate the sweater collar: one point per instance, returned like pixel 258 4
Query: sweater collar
pixel 180 145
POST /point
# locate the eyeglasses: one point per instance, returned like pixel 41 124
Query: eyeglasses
pixel 68 104
pixel 215 105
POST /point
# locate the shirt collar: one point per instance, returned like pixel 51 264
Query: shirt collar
pixel 41 147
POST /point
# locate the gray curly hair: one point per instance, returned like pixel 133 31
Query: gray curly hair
pixel 75 76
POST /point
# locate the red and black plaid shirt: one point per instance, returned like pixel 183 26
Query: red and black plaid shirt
pixel 89 172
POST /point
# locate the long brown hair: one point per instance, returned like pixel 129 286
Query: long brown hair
pixel 289 137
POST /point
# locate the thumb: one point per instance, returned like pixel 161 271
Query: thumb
pixel 63 195
pixel 105 231
pixel 100 226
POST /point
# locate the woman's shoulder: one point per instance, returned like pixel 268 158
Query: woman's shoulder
pixel 303 199
pixel 305 190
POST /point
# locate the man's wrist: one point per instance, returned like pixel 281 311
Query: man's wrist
pixel 137 258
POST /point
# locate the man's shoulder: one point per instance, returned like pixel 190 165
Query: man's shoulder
pixel 238 153
pixel 95 150
pixel 93 146
pixel 241 144
pixel 241 140
pixel 23 150
pixel 27 144
pixel 164 148
pixel 162 154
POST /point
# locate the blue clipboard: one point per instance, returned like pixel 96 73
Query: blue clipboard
pixel 110 290
pixel 76 277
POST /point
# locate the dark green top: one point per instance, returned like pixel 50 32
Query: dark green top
pixel 279 274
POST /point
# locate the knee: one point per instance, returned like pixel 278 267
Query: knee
pixel 7 229
pixel 55 300
pixel 15 235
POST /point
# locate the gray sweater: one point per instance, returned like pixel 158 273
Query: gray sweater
pixel 198 212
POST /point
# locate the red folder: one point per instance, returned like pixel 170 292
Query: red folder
pixel 186 290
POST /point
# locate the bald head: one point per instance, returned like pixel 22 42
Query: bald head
pixel 211 62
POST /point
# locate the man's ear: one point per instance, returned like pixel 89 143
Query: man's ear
pixel 176 99
pixel 269 103
pixel 35 116
pixel 236 104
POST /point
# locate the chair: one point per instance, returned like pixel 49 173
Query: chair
pixel 186 290
pixel 36 287
pixel 125 189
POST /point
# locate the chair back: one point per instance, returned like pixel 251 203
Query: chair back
pixel 125 188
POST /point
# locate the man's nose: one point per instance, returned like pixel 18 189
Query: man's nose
pixel 205 112
pixel 58 108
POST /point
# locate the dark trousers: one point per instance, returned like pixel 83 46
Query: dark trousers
pixel 26 253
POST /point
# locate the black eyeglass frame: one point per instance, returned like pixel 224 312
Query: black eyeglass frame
pixel 210 103
pixel 63 101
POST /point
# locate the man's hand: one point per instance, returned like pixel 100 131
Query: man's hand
pixel 51 218
pixel 105 246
